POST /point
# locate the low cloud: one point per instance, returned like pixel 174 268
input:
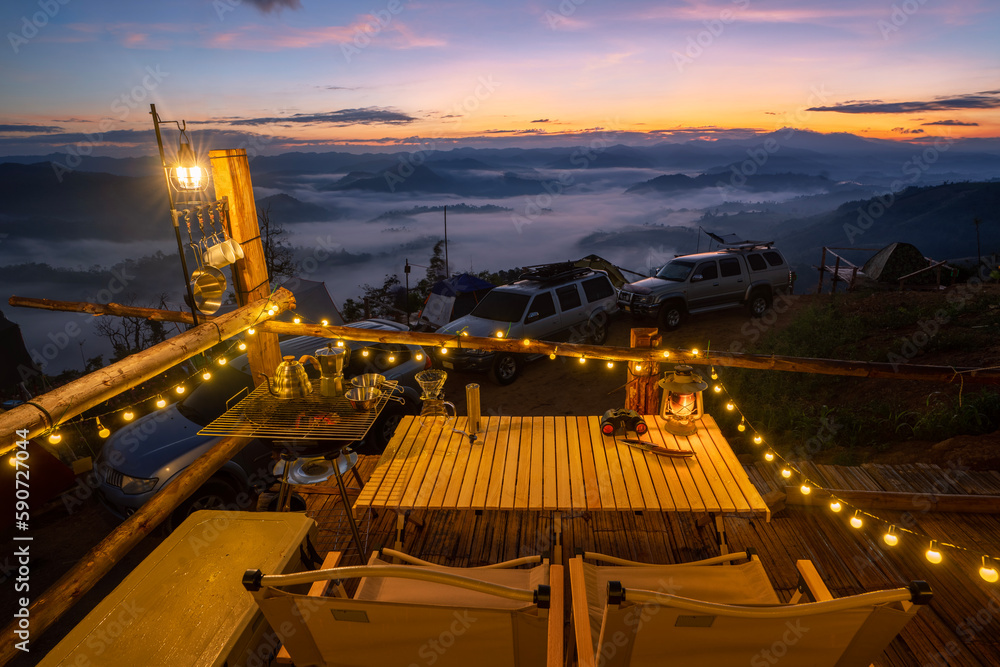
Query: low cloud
pixel 903 130
pixel 17 127
pixel 989 99
pixel 541 120
pixel 955 123
pixel 365 116
pixel 268 6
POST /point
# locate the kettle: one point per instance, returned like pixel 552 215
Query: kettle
pixel 290 379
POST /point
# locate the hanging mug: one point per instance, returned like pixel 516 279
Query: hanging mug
pixel 237 249
pixel 219 254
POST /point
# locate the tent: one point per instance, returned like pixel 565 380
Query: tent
pixel 15 362
pixel 452 298
pixel 313 302
pixel 896 260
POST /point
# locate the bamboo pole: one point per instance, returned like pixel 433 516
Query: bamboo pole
pixel 231 175
pixel 870 369
pixel 63 594
pixel 63 403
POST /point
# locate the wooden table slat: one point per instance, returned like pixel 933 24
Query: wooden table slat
pixel 595 490
pixel 486 443
pixel 564 498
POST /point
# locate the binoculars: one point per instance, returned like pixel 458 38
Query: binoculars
pixel 622 419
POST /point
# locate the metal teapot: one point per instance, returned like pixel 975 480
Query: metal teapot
pixel 290 379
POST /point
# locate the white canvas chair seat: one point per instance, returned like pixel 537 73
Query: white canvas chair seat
pixel 416 614
pixel 711 615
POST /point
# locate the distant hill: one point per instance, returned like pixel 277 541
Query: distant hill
pixel 36 201
pixel 936 219
pixel 285 208
pixel 677 183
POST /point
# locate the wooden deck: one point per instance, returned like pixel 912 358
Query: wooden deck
pixel 960 627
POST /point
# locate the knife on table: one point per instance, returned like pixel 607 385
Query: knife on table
pixel 659 451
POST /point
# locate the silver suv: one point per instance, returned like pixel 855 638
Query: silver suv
pixel 747 275
pixel 557 302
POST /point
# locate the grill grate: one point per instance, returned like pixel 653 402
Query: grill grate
pixel 315 417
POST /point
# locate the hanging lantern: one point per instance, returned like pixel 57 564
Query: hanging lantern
pixel 681 405
pixel 186 174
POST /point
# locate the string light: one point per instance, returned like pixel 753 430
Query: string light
pixel 444 350
pixel 499 334
pixel 757 440
pixel 340 342
pixel 271 311
pixel 161 402
pixel 717 389
pixel 392 359
pixel 221 361
pixel 419 357
pixel 242 346
pixel 805 489
pixel 54 438
pixel 742 426
pixel 102 430
pixel 128 416
pixel 890 537
pixel 638 368
pixel 364 352
pixel 297 320
pixel 666 354
pixel 251 331
pixel 730 406
pixel 694 352
pixel 988 572
pixel 769 456
pixel 326 323
pixel 180 389
pixel 552 356
pixel 786 473
pixel 932 554
pixel 583 359
pixel 856 521
pixel 714 375
pixel 526 342
pixel 835 506
pixel 207 375
pixel 611 364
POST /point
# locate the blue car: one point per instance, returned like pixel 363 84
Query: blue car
pixel 146 455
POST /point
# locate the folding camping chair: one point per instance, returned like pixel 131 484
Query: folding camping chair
pixel 418 613
pixel 695 614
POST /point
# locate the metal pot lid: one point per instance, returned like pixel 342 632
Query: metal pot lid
pixel 313 470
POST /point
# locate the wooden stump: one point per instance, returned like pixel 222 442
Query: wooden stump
pixel 642 393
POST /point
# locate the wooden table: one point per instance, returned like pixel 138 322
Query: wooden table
pixel 557 463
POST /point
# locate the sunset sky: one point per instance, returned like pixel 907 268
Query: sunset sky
pixel 310 75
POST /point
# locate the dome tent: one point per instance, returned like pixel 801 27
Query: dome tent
pixel 896 260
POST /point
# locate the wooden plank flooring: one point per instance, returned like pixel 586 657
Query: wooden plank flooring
pixel 960 627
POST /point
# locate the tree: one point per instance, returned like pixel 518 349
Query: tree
pixel 129 335
pixel 277 256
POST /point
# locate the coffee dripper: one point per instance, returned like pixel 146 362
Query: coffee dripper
pixel 431 383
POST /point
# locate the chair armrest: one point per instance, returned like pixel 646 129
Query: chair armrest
pixel 554 654
pixel 810 579
pixel 581 614
pixel 316 589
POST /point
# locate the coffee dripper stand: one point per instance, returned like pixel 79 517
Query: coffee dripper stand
pixel 431 384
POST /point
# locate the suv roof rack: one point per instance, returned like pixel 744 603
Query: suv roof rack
pixel 748 245
pixel 555 272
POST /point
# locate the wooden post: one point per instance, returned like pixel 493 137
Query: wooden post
pixel 59 405
pixel 836 275
pixel 60 596
pixel 822 270
pixel 642 394
pixel 231 173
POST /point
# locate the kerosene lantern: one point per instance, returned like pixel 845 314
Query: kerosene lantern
pixel 681 405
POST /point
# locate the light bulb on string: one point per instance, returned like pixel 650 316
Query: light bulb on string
pixel 611 364
pixel 242 346
pixel 180 389
pixel 988 572
pixel 419 357
pixel 251 331
pixel 730 406
pixel 717 389
pixel 161 402
pixel 444 350
pixel 856 521
pixel 364 352
pixel 890 537
pixel 552 355
pixel 392 359
pixel 102 430
pixel 932 554
pixel 769 456
pixel 55 438
pixel 742 426
pixel 526 342
pixel 805 489
pixel 757 439
pixel 221 361
pixel 714 375
pixel 297 319
pixel 694 352
pixel 499 334
pixel 835 506
pixel 786 473
pixel 340 343
pixel 583 359
pixel 207 375
pixel 638 368
pixel 326 323
pixel 128 415
pixel 666 354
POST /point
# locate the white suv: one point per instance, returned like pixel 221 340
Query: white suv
pixel 556 302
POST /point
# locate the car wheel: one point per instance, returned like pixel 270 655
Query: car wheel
pixel 505 368
pixel 759 303
pixel 671 315
pixel 214 494
pixel 598 328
